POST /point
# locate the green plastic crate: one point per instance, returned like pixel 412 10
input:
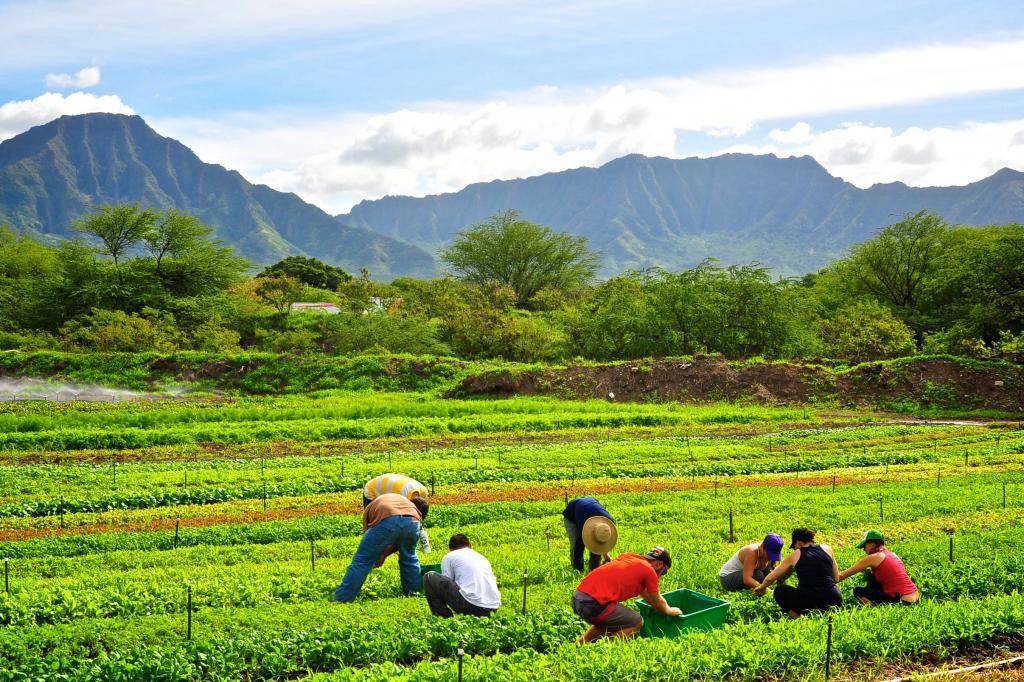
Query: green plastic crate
pixel 427 568
pixel 700 612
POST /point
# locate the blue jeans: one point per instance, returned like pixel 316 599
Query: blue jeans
pixel 400 531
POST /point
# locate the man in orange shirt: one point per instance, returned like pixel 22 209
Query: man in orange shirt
pixel 598 598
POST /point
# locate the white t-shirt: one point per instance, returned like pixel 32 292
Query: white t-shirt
pixel 472 572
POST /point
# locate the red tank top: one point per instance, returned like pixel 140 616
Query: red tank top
pixel 893 576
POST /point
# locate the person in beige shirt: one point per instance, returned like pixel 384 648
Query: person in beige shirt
pixel 390 522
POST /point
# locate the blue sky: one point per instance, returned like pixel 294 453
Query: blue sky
pixel 341 101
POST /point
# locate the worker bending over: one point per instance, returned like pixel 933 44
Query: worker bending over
pixel 465 585
pixel 598 599
pixel 816 572
pixel 590 526
pixel 398 484
pixel 887 579
pixel 390 523
pixel 751 564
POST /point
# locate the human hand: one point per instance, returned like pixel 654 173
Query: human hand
pixel 673 611
pixel 760 590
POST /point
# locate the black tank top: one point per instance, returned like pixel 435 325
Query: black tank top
pixel 814 569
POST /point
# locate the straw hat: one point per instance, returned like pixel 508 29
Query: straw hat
pixel 600 534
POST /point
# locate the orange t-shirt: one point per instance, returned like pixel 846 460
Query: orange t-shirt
pixel 625 577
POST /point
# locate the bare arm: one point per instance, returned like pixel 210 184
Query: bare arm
pixel 869 561
pixel 779 572
pixel 749 564
pixel 835 564
pixel 660 605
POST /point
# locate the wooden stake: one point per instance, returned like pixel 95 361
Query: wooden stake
pixel 881 508
pixel 526 574
pixel 950 548
pixel 732 537
pixel 312 555
pixel 177 522
pixel 188 607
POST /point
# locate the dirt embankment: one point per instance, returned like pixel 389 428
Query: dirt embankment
pixel 931 381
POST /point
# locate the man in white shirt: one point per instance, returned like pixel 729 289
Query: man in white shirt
pixel 465 585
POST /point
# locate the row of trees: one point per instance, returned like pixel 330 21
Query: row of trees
pixel 147 280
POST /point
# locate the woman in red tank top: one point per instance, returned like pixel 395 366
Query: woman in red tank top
pixel 888 582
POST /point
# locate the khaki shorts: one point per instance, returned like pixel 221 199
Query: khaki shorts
pixel 590 610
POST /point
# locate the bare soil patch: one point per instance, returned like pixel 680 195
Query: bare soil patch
pixel 937 382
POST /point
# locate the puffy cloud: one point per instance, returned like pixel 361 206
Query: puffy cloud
pixel 443 146
pixel 20 115
pixel 866 154
pixel 85 78
pixel 800 132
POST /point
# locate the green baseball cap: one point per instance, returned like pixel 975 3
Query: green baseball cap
pixel 871 536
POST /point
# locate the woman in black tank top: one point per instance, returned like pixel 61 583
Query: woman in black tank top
pixel 816 571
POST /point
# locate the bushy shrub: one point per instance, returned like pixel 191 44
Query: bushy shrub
pixel 866 331
pixel 115 330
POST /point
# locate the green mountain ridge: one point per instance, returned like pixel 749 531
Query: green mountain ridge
pixel 51 174
pixel 786 213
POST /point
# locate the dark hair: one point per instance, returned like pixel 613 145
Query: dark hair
pixel 802 535
pixel 422 505
pixel 458 541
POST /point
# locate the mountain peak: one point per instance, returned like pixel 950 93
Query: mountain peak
pixel 788 213
pixel 52 174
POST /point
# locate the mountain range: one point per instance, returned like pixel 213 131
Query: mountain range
pixel 51 174
pixel 787 213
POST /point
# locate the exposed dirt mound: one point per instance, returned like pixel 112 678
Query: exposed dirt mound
pixel 937 381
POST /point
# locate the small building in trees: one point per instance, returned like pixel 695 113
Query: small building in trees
pixel 329 308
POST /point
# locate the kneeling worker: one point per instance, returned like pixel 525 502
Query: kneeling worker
pixel 888 582
pixel 598 599
pixel 816 572
pixel 390 523
pixel 589 526
pixel 398 484
pixel 465 585
pixel 751 564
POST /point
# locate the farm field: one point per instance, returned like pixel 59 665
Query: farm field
pixel 111 513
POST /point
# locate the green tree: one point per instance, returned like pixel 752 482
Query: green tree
pixel 174 233
pixel 893 265
pixel 310 271
pixel 521 255
pixel 280 292
pixel 118 228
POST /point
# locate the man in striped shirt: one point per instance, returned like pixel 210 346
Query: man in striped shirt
pixel 400 485
pixel 390 523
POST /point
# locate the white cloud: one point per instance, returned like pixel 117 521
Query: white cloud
pixel 443 146
pixel 867 154
pixel 800 132
pixel 20 115
pixel 85 78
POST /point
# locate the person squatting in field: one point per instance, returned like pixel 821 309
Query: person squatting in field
pixel 391 523
pixel 887 579
pixel 589 526
pixel 598 598
pixel 400 485
pixel 817 573
pixel 465 585
pixel 751 564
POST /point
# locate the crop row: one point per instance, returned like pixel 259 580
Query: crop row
pixel 744 651
pixel 142 593
pixel 168 496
